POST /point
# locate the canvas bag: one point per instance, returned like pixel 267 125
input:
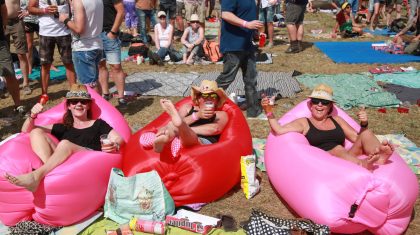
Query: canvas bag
pixel 142 196
pixel 211 51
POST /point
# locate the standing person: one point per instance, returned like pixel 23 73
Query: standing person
pixel 239 20
pixel 114 12
pixel 210 4
pixel 195 7
pixel 131 21
pixel 144 9
pixel 52 32
pixel 169 7
pixel 86 26
pixel 6 67
pixel 295 12
pixel 266 15
pixel 31 26
pixel 179 17
pixel 15 28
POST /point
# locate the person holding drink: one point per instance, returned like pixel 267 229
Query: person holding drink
pixel 193 124
pixel 328 132
pixel 78 132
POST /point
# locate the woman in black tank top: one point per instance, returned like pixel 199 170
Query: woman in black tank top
pixel 329 132
pixel 199 123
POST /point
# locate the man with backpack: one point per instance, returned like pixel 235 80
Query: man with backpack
pixel 239 21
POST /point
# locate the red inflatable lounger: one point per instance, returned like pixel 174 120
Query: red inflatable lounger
pixel 201 173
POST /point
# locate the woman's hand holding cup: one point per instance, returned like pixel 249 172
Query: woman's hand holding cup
pixel 36 110
pixel 208 111
pixel 107 145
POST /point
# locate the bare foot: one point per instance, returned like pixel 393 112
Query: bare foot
pixel 28 181
pixel 169 108
pixel 385 151
pixel 160 141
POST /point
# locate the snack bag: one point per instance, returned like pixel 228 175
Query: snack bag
pixel 249 182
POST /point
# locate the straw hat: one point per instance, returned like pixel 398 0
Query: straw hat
pixel 322 91
pixel 345 4
pixel 206 87
pixel 194 17
pixel 161 13
pixel 78 92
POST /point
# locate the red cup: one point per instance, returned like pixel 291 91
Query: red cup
pixel 403 109
pixel 262 40
pixel 43 99
pixel 382 110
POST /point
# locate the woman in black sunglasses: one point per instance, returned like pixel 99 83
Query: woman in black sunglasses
pixel 78 132
pixel 329 132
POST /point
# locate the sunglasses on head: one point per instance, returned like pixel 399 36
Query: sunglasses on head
pixel 74 102
pixel 210 95
pixel 317 101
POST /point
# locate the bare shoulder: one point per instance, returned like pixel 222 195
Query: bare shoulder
pixel 339 120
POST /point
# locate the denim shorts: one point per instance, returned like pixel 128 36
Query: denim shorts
pixel 86 66
pixel 112 49
pixel 267 14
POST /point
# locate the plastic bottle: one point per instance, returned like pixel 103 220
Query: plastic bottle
pixel 262 40
pixel 147 226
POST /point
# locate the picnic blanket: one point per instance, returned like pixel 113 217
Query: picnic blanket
pixel 361 53
pixel 54 75
pixel 352 90
pixel 408 79
pixel 269 83
pixel 404 93
pixel 405 148
pixel 102 224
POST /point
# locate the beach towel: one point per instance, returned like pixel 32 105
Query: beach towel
pixel 406 149
pixel 54 75
pixel 407 79
pixel 270 83
pixel 405 94
pixel 361 53
pixel 259 147
pixel 352 90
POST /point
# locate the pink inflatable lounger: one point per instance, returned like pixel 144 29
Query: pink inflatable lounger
pixel 73 190
pixel 328 190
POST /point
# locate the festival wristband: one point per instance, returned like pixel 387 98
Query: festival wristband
pixel 194 116
pixel 269 115
pixel 33 116
pixel 364 125
pixel 244 24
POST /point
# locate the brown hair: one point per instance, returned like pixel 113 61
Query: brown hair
pixel 68 117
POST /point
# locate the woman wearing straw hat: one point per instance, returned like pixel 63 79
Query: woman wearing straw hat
pixel 192 39
pixel 77 133
pixel 199 123
pixel 329 132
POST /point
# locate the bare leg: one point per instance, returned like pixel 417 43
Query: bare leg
pixel 103 77
pixel 367 143
pixel 119 79
pixel 45 77
pixel 30 43
pixel 341 152
pixel 41 144
pixel 13 88
pixel 71 74
pixel 31 180
pixel 23 61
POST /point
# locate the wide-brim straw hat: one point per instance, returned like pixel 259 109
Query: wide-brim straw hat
pixel 322 91
pixel 78 92
pixel 194 17
pixel 206 87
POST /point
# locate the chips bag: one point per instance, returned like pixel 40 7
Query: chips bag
pixel 249 182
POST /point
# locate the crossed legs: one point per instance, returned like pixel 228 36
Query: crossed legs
pixel 51 154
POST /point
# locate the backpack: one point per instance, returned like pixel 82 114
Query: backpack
pixel 211 51
pixel 138 49
pixel 397 25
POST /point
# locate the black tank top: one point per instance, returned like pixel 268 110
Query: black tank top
pixel 212 138
pixel 325 140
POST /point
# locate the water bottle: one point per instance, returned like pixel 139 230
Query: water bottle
pixel 262 40
pixel 147 226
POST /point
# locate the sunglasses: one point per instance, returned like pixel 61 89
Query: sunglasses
pixel 210 95
pixel 194 22
pixel 83 102
pixel 323 102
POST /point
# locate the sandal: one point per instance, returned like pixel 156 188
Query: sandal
pixel 26 90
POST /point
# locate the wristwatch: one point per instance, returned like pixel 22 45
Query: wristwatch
pixel 66 21
pixel 114 33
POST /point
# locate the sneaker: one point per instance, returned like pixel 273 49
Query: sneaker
pixel 107 97
pixel 26 90
pixel 20 109
pixel 122 103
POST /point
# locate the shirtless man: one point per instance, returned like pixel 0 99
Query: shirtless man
pixel 16 29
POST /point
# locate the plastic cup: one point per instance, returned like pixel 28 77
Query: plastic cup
pixel 105 141
pixel 209 105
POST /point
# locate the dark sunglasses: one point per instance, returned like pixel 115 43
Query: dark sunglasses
pixel 323 102
pixel 210 95
pixel 74 102
pixel 194 22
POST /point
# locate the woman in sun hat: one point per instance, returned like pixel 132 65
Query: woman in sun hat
pixel 192 39
pixel 197 123
pixel 328 132
pixel 78 132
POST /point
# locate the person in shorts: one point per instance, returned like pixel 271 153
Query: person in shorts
pixel 31 27
pixel 6 67
pixel 295 13
pixel 15 29
pixel 179 17
pixel 52 32
pixel 266 14
pixel 169 7
pixel 195 7
pixel 114 15
pixel 390 6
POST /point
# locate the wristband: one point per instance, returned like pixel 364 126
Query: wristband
pixel 33 116
pixel 364 125
pixel 194 116
pixel 244 23
pixel 269 114
pixel 66 21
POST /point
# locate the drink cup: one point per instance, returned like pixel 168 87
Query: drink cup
pixel 209 105
pixel 105 141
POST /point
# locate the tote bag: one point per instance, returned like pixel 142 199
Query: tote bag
pixel 142 196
